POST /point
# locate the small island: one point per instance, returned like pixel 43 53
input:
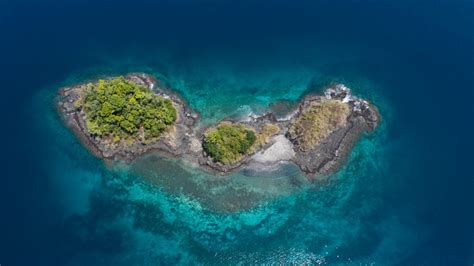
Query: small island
pixel 230 144
pixel 122 118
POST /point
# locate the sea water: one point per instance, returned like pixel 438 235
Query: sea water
pixel 403 197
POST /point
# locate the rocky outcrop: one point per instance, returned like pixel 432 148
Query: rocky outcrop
pixel 183 139
pixel 326 157
pixel 255 123
pixel 174 141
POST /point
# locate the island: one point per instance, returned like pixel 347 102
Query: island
pixel 122 118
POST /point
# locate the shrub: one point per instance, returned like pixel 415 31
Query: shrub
pixel 227 142
pixel 266 133
pixel 317 121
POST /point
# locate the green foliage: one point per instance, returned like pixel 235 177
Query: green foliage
pixel 227 142
pixel 120 108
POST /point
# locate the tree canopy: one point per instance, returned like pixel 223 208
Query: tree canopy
pixel 119 108
pixel 227 142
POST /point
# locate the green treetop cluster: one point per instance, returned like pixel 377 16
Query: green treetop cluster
pixel 227 142
pixel 119 108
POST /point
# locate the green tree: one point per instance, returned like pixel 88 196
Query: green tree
pixel 227 143
pixel 119 107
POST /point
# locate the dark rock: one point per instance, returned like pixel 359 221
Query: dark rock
pixel 184 139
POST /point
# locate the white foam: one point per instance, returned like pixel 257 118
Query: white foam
pixel 328 93
pixel 288 116
pixel 245 113
pixel 347 99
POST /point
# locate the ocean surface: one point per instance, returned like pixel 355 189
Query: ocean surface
pixel 405 196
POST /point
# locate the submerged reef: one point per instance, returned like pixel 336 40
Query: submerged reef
pixel 122 118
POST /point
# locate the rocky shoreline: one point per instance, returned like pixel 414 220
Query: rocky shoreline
pixel 327 157
pixel 185 140
pixel 173 142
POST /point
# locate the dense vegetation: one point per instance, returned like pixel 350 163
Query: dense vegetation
pixel 317 121
pixel 119 108
pixel 228 142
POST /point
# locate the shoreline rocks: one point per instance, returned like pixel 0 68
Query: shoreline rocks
pixel 173 141
pixel 326 157
pixel 184 139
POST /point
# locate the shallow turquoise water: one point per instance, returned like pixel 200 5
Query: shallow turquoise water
pixel 404 197
pixel 167 210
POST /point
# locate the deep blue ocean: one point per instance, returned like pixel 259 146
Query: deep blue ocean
pixel 404 197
